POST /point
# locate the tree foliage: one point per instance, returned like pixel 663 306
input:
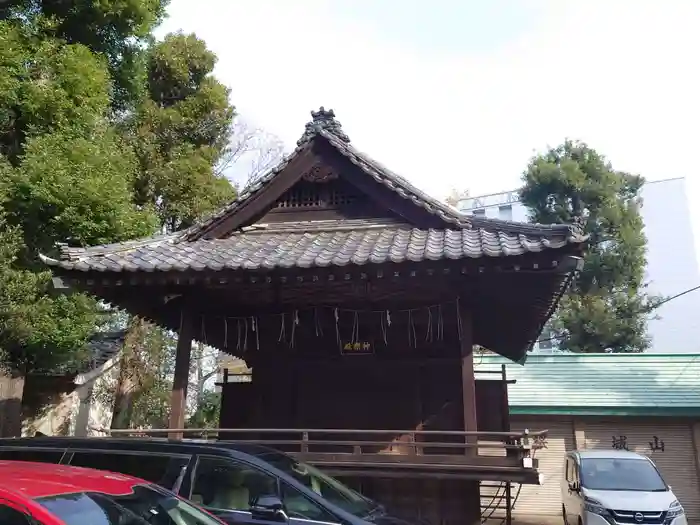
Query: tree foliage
pixel 179 133
pixel 114 29
pixel 206 414
pixel 76 190
pixel 105 135
pixel 65 179
pixel 607 306
pixel 38 330
pixel 46 85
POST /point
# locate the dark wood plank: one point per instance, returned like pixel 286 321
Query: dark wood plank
pixel 408 460
pixel 257 205
pixel 468 379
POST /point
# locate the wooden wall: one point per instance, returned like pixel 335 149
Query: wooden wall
pixel 359 392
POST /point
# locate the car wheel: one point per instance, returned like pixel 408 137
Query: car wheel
pixel 563 515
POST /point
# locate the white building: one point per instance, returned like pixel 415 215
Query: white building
pixel 672 265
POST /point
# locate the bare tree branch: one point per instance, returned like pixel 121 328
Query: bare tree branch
pixel 455 196
pixel 250 153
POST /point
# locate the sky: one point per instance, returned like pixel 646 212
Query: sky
pixel 461 93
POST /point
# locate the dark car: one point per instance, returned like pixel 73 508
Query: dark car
pixel 224 478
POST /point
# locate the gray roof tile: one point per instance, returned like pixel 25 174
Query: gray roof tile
pixel 325 127
pixel 314 244
pixel 101 347
pixel 324 243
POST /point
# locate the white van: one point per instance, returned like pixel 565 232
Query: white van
pixel 611 487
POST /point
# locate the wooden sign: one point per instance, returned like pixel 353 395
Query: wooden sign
pixel 357 348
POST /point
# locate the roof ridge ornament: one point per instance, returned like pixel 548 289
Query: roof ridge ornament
pixel 323 120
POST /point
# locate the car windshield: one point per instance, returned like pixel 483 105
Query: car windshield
pixel 325 486
pixel 144 506
pixel 621 474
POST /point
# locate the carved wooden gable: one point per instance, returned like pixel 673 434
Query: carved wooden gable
pixel 327 179
pixel 320 194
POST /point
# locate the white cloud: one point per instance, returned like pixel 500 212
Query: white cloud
pixel 620 74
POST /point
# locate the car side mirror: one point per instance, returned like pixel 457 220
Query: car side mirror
pixel 574 486
pixel 268 508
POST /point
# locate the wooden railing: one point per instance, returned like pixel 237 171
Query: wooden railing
pixel 335 449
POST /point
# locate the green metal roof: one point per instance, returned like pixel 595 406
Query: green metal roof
pixel 600 384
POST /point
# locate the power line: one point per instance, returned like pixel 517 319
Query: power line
pixel 659 304
pixel 676 296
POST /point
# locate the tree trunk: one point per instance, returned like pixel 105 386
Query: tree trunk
pixel 11 390
pixel 128 369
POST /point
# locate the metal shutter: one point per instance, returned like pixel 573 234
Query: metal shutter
pixel 676 462
pixel 545 499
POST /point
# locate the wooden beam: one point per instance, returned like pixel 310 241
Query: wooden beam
pixel 178 397
pixel 384 197
pixel 468 380
pixel 258 204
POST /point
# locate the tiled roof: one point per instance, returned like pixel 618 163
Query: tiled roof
pixel 324 243
pixel 101 347
pixel 600 383
pixel 104 346
pixel 326 127
pixel 378 172
pixel 317 244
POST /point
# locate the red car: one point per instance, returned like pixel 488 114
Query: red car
pixel 47 494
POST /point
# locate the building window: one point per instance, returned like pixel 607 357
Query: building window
pixel 505 212
pixel 479 213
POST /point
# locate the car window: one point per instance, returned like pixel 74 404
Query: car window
pixel 298 505
pixel 161 469
pixel 144 506
pixel 626 474
pixel 222 483
pixel 326 487
pixel 10 516
pixel 31 454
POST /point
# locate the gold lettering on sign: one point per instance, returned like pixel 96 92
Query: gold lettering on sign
pixel 357 347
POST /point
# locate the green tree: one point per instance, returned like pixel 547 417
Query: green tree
pixel 65 178
pixel 607 306
pixel 75 189
pixel 114 29
pixel 140 386
pixel 100 126
pixel 46 85
pixel 180 132
pixel 206 415
pixel 38 330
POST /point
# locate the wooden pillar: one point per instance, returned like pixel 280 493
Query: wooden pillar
pixel 468 381
pixel 181 378
pixel 471 494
